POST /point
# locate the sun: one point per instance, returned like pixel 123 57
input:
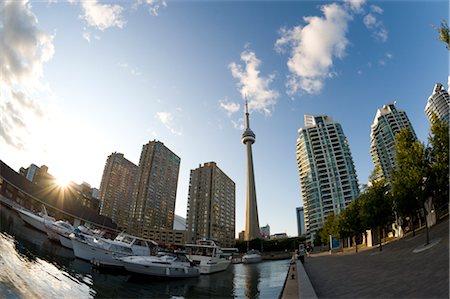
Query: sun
pixel 62 181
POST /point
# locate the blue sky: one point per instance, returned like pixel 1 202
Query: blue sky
pixel 83 79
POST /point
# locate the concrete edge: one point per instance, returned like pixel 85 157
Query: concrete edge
pixel 305 288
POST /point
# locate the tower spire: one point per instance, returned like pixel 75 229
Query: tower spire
pixel 247 117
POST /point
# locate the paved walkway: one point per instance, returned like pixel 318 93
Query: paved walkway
pixel 290 289
pixel 404 269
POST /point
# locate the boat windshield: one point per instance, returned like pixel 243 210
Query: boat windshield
pixel 125 239
pixel 121 249
pixel 205 251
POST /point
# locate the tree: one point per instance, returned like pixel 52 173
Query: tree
pixel 438 143
pixel 317 238
pixel 350 224
pixel 330 227
pixel 376 206
pixel 408 177
pixel 443 33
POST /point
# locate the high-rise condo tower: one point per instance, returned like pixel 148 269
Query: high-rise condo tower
pixel 211 206
pixel 388 122
pixel 327 174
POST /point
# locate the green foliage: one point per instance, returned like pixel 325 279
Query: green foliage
pixel 408 177
pixel 317 239
pixel 443 31
pixel 375 205
pixel 330 227
pixel 438 182
pixel 350 223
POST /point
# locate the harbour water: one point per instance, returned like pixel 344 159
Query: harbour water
pixel 31 266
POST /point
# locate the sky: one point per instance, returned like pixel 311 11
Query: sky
pixel 83 79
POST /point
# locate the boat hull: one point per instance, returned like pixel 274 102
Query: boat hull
pixel 65 241
pixel 251 259
pixel 167 270
pixel 33 220
pixel 96 255
pixel 209 266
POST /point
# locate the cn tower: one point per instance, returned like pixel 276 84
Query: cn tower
pixel 251 222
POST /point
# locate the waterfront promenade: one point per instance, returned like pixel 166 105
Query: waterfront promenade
pixel 403 269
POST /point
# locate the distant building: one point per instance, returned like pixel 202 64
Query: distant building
pixel 265 231
pixel 438 104
pixel 241 236
pixel 156 189
pixel 327 173
pixel 211 205
pixel 387 123
pixel 117 189
pixel 300 221
pixel 95 193
pixel 179 223
pixel 167 237
pixel 38 175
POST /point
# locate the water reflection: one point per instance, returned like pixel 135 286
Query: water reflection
pixel 252 279
pixel 31 266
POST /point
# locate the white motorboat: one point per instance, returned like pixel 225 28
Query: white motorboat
pixel 105 252
pixel 167 265
pixel 83 232
pixel 208 256
pixel 38 221
pixel 252 257
pixel 57 228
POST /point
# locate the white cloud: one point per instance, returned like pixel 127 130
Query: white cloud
pixel 229 107
pixel 153 6
pixel 252 86
pixel 386 57
pixel 356 5
pixel 239 124
pixel 23 51
pixel 370 20
pixel 313 48
pixel 102 16
pixel 166 118
pixel 376 9
pixel 88 36
pixel 373 23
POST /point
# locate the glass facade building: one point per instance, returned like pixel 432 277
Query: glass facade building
pixel 327 173
pixel 438 104
pixel 388 122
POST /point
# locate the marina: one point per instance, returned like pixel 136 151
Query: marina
pixel 35 267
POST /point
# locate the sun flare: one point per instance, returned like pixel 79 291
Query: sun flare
pixel 62 181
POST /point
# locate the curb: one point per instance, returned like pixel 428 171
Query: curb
pixel 305 288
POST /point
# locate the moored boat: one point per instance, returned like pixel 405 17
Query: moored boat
pixel 38 221
pixel 168 265
pixel 105 252
pixel 252 257
pixel 207 256
pixel 57 228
